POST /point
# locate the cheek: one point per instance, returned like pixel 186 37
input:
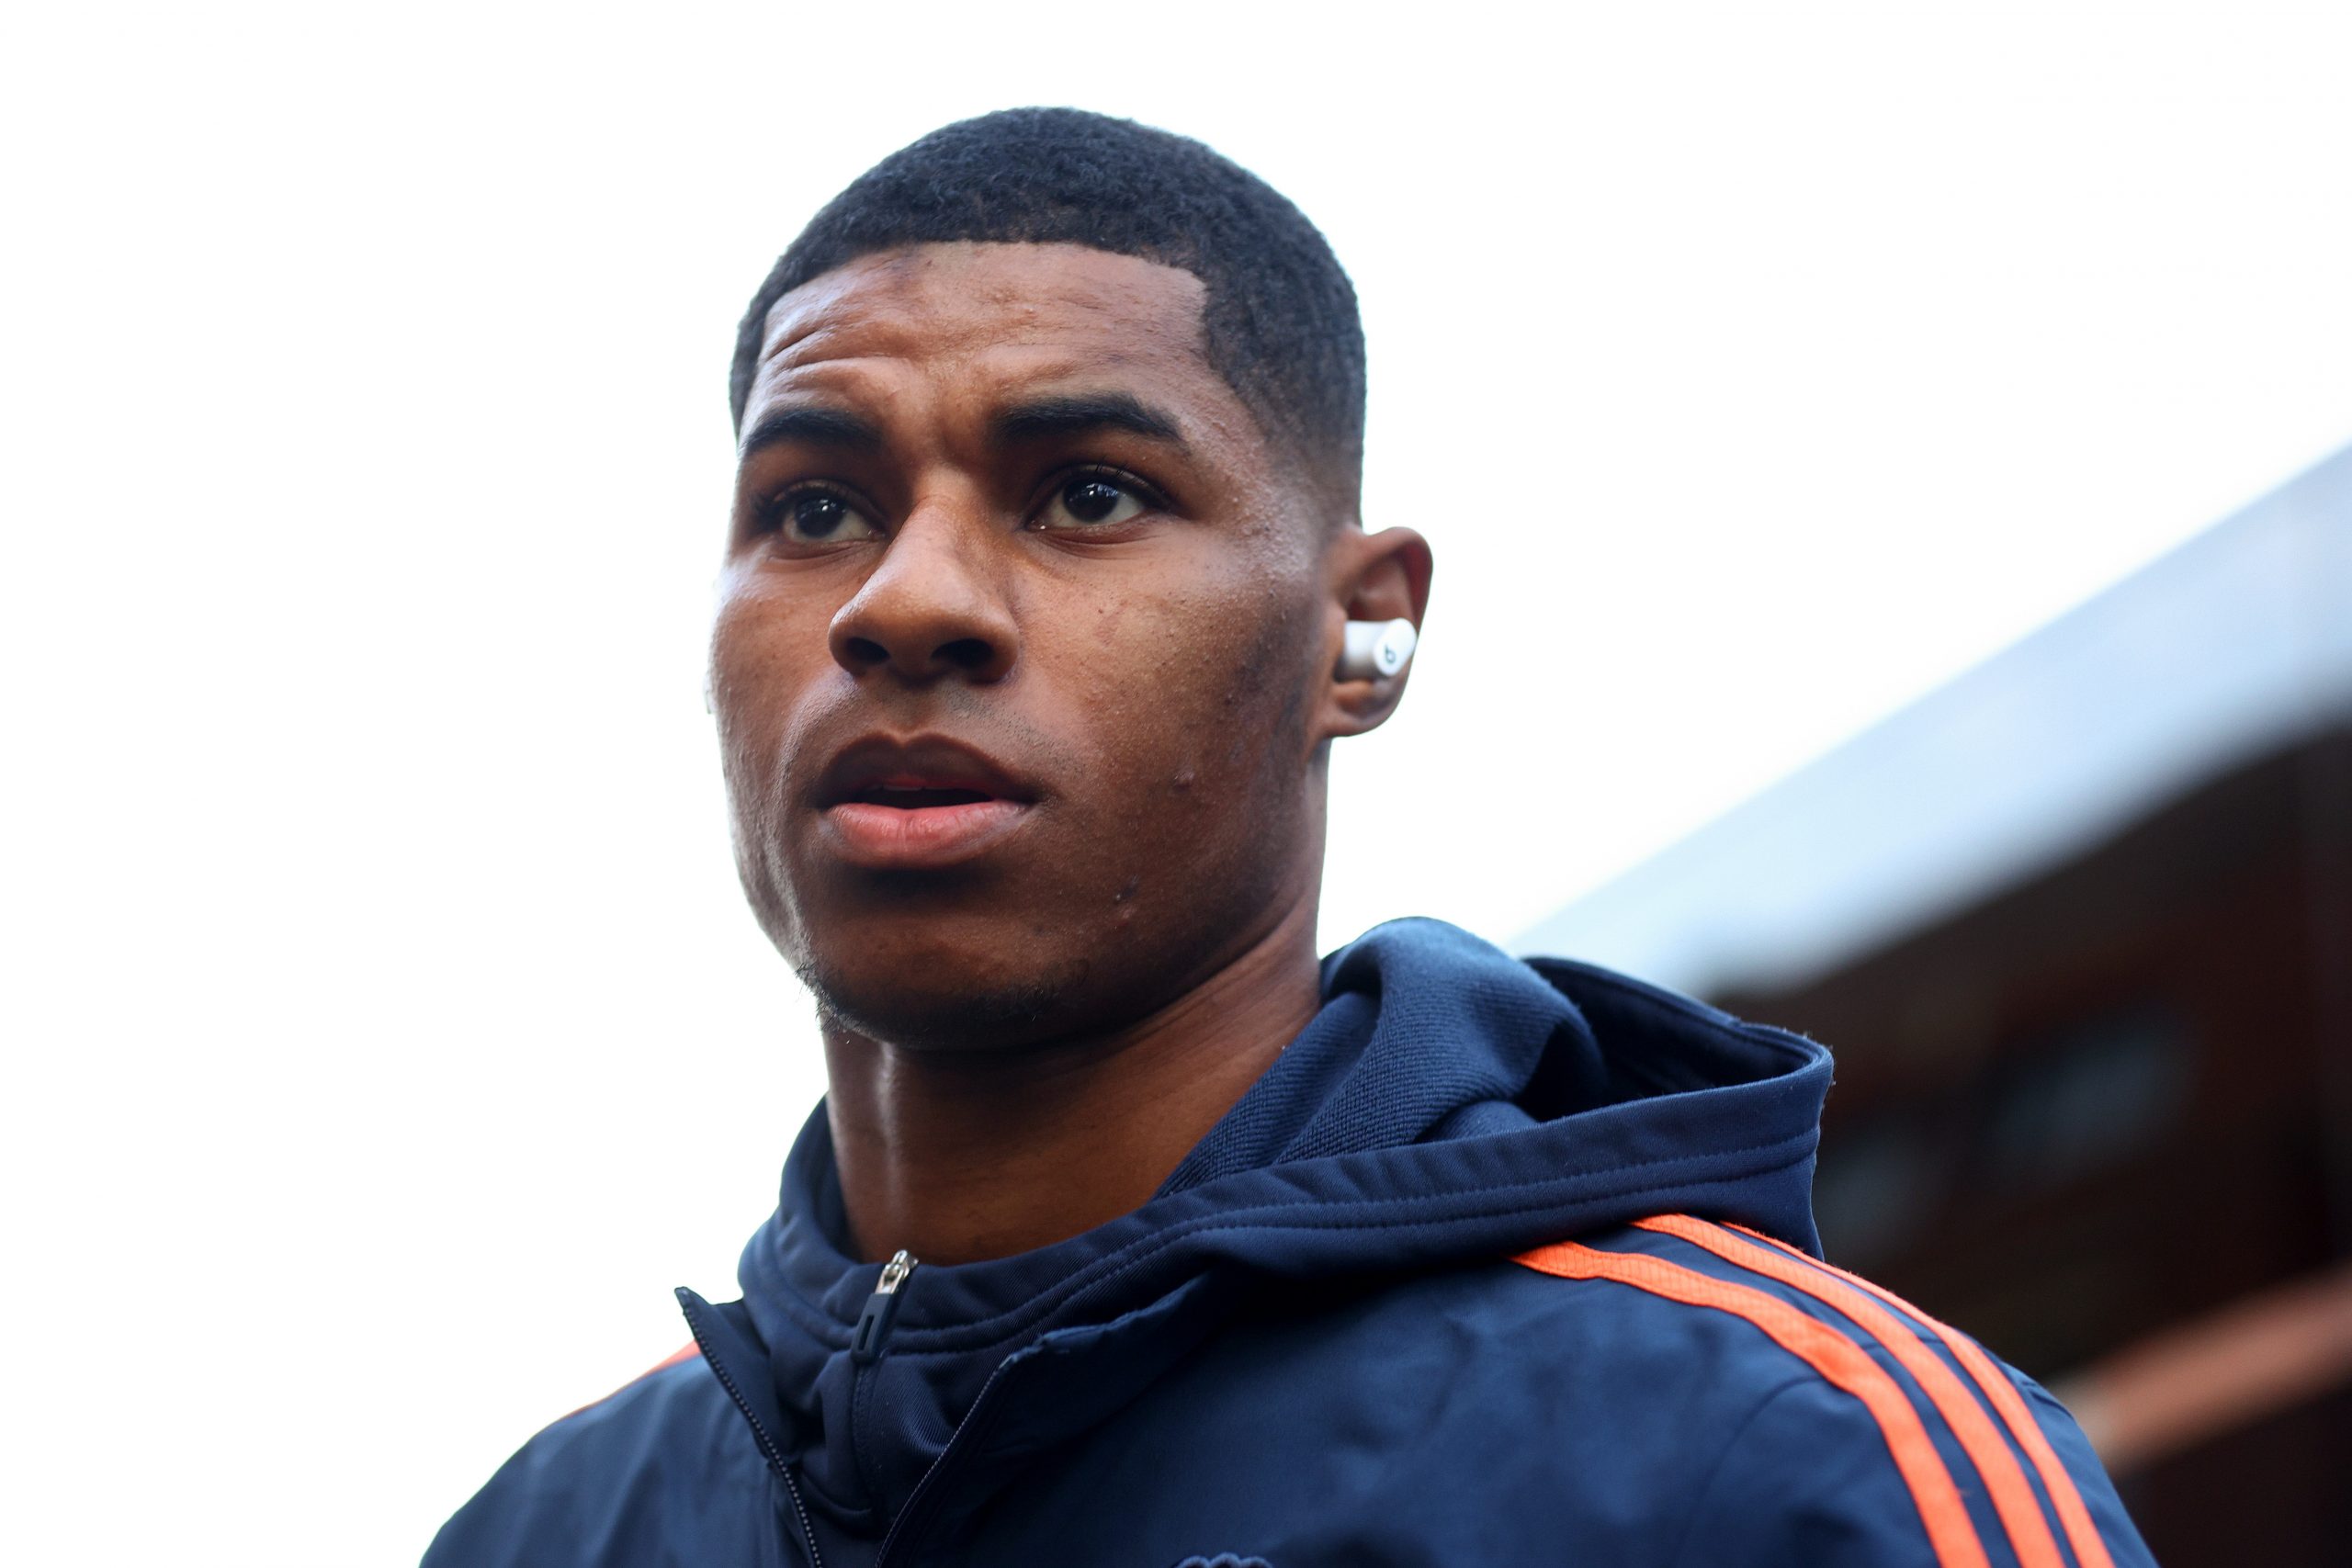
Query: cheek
pixel 768 640
pixel 764 652
pixel 1200 709
pixel 741 678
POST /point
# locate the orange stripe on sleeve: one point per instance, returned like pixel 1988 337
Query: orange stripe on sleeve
pixel 2090 1550
pixel 1840 1361
pixel 2013 1497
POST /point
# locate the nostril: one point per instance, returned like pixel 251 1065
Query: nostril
pixel 865 650
pixel 965 653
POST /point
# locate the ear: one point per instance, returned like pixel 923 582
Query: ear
pixel 1370 577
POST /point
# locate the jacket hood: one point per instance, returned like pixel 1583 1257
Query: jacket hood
pixel 1448 1106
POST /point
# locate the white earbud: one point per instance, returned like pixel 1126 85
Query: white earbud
pixel 1376 649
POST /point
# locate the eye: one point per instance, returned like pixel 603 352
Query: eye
pixel 819 517
pixel 1092 501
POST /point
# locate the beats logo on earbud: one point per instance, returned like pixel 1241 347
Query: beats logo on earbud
pixel 1376 649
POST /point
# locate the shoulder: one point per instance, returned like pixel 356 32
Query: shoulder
pixel 1832 1418
pixel 650 1474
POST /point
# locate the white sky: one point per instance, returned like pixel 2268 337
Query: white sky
pixel 386 1036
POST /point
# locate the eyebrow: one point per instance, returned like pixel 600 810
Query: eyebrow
pixel 819 424
pixel 812 424
pixel 1081 413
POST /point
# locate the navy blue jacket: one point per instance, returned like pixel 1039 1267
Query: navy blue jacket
pixel 1500 1263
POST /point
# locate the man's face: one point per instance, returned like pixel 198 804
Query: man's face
pixel 1019 646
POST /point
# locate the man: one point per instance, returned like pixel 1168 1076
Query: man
pixel 1129 1234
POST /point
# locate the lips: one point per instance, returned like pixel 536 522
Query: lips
pixel 929 801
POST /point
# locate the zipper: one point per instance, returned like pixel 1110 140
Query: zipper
pixel 881 1310
pixel 777 1461
pixel 866 1346
pixel 906 1531
pixel 800 1512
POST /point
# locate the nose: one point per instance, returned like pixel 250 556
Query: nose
pixel 933 607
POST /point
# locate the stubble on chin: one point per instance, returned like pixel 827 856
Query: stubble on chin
pixel 937 1012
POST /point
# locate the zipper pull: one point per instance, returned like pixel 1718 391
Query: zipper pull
pixel 881 1309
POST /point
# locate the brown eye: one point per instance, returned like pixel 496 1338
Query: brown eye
pixel 819 516
pixel 1090 500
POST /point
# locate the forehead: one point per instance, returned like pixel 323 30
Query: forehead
pixel 989 313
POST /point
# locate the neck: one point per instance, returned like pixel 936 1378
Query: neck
pixel 958 1156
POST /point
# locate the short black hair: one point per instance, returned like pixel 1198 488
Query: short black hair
pixel 1280 316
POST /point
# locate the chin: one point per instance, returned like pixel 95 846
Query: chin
pixel 1007 954
pixel 918 986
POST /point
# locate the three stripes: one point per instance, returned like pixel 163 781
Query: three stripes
pixel 1842 1361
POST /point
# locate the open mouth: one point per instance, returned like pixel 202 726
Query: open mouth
pixel 920 796
pixel 929 801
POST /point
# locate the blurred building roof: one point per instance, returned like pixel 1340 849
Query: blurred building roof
pixel 2237 643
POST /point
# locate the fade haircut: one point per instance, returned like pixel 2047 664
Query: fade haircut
pixel 1280 318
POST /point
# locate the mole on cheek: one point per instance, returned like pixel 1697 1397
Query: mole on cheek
pixel 1182 781
pixel 1126 890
